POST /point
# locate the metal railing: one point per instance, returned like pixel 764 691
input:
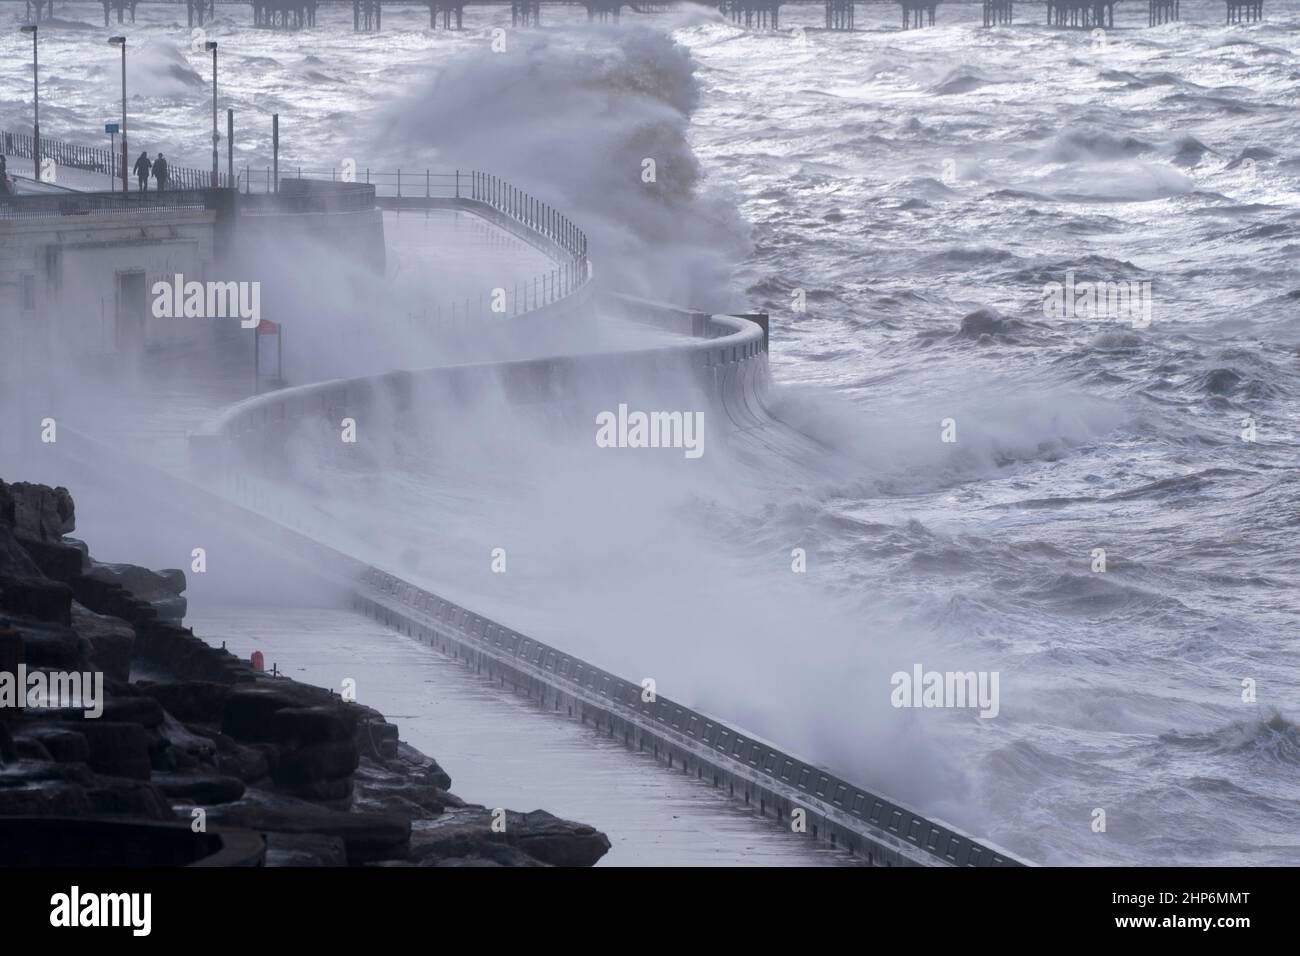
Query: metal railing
pixel 523 208
pixel 530 212
pixel 309 195
pixel 97 159
pixel 512 207
pixel 289 189
pixel 401 183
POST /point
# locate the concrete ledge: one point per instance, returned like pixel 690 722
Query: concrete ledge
pixel 882 831
pixel 726 355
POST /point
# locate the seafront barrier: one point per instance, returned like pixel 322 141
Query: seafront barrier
pixel 727 357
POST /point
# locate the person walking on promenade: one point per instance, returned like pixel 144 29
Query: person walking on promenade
pixel 160 172
pixel 142 167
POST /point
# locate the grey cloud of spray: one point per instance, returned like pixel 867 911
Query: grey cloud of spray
pixel 641 561
pixel 645 564
pixel 570 116
pixel 648 565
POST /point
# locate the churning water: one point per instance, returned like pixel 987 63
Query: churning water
pixel 888 183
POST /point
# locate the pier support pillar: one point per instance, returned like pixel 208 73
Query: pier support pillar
pixel 367 16
pixel 1081 14
pixel 1245 11
pixel 839 14
pixel 448 10
pixel 760 14
pixel 525 13
pixel 604 10
pixel 998 12
pixel 276 14
pixel 919 12
pixel 1162 11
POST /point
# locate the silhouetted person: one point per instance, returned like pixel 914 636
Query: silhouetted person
pixel 160 172
pixel 4 178
pixel 142 167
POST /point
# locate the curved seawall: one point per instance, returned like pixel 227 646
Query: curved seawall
pixel 725 359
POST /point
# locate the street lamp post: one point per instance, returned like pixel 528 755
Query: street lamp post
pixel 36 105
pixel 216 175
pixel 121 41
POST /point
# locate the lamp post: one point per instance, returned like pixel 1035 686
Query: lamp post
pixel 36 105
pixel 121 41
pixel 216 175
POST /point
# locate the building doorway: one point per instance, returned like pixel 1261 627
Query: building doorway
pixel 131 306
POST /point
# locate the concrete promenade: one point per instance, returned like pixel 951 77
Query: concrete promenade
pixel 499 746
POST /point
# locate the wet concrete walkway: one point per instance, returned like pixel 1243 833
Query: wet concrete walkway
pixel 501 750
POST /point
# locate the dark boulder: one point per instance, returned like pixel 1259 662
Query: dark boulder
pixel 378 738
pixel 420 767
pixel 14 559
pixel 304 849
pixel 37 598
pixel 61 561
pixel 249 764
pixel 249 710
pixel 316 763
pixel 50 646
pixel 335 792
pixel 37 512
pixel 118 796
pixel 160 589
pixel 13 651
pixel 116 749
pixel 53 799
pixel 558 842
pixel 469 832
pixel 108 641
pixel 28 748
pixel 144 711
pixel 983 322
pixel 189 751
pixel 63 745
pixel 202 790
pixel 191 701
pixel 367 836
pixel 294 727
pixel 30 788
